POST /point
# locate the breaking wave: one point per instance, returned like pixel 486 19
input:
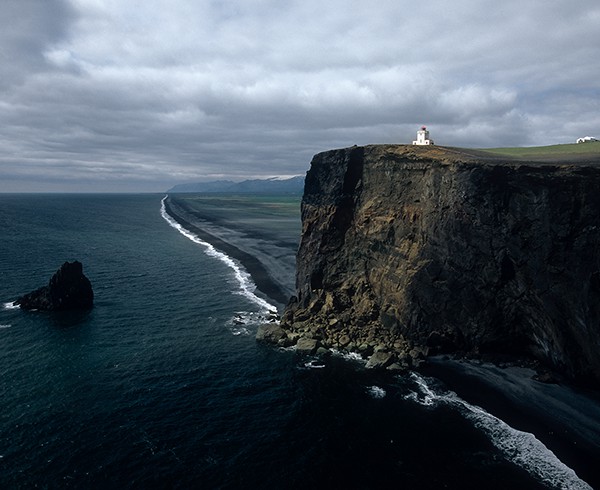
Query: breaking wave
pixel 521 448
pixel 376 391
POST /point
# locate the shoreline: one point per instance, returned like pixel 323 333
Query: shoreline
pixel 521 412
pixel 260 276
pixel 561 416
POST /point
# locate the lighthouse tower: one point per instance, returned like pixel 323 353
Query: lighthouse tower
pixel 423 137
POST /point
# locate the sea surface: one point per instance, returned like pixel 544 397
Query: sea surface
pixel 162 384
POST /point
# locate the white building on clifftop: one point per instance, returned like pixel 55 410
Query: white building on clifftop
pixel 586 139
pixel 423 137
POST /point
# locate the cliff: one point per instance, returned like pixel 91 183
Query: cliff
pixel 408 251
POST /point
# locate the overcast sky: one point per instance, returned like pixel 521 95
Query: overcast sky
pixel 138 95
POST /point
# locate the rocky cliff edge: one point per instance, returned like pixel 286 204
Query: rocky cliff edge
pixel 409 251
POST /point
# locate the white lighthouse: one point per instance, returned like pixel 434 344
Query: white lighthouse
pixel 423 137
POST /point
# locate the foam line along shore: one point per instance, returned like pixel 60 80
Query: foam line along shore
pixel 248 272
pixel 523 449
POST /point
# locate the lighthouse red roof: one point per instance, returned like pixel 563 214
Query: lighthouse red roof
pixel 423 128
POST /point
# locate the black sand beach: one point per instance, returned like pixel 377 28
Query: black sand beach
pixel 270 277
pixel 564 418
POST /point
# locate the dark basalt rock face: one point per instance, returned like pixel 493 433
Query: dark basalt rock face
pixel 414 250
pixel 68 289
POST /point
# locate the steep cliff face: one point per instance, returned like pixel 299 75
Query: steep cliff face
pixel 413 250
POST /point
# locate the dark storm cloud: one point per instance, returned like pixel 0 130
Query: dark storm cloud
pixel 139 95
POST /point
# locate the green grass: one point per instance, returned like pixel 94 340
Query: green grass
pixel 267 206
pixel 554 151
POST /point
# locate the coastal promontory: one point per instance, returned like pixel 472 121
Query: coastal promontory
pixel 409 251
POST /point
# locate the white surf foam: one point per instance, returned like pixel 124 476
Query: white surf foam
pixel 423 395
pixel 349 356
pixel 242 278
pixel 10 306
pixel 5 326
pixel 314 364
pixel 241 320
pixel 521 448
pixel 376 391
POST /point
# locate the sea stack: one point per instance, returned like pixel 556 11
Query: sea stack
pixel 68 289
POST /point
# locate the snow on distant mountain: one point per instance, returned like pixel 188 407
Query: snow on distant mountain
pixel 275 185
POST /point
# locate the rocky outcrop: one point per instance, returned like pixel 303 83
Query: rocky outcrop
pixel 68 289
pixel 272 333
pixel 415 250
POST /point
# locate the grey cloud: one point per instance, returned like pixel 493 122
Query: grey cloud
pixel 27 28
pixel 131 95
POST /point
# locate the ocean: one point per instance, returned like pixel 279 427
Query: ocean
pixel 162 384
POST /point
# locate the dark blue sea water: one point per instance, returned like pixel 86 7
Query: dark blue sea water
pixel 162 384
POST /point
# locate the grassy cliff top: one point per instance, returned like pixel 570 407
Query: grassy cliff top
pixel 566 154
pixel 554 153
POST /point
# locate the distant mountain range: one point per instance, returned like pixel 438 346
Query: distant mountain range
pixel 294 185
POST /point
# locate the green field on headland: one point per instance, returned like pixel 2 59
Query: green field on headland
pixel 552 152
pixel 276 216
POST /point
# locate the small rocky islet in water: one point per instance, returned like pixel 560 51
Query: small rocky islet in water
pixel 68 289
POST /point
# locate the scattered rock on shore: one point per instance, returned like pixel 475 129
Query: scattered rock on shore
pixel 392 353
pixel 307 345
pixel 271 333
pixel 380 359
